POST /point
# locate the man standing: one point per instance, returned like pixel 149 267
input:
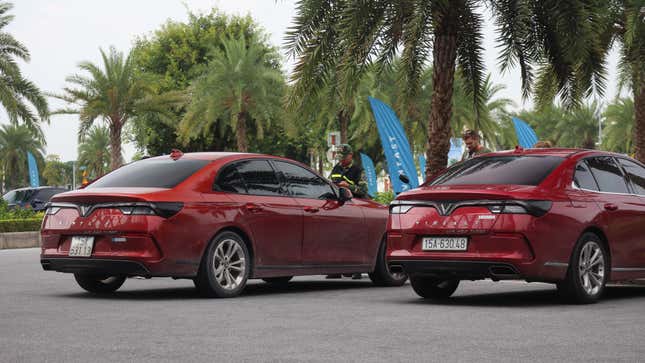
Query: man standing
pixel 473 147
pixel 346 174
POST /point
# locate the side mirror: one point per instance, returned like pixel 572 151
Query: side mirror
pixel 344 194
pixel 404 178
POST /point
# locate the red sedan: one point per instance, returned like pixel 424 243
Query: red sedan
pixel 216 218
pixel 571 217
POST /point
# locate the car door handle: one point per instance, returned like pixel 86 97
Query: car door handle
pixel 611 207
pixel 253 207
pixel 311 209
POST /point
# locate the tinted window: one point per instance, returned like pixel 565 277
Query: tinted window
pixel 607 174
pixel 229 180
pixel 635 175
pixel 303 183
pixel 46 194
pixel 520 170
pixel 150 173
pixel 18 196
pixel 583 177
pixel 259 177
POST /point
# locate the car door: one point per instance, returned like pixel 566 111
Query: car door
pixel 334 231
pixel 274 219
pixel 635 175
pixel 622 212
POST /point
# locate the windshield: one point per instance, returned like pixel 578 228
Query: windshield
pixel 517 170
pixel 18 196
pixel 150 173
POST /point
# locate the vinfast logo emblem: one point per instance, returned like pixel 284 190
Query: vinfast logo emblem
pixel 85 209
pixel 445 208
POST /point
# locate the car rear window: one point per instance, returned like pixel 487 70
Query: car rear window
pixel 518 170
pixel 150 173
pixel 18 196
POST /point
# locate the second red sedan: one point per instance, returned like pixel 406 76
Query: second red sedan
pixel 571 217
pixel 216 218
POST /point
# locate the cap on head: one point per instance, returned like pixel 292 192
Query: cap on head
pixel 344 150
pixel 470 133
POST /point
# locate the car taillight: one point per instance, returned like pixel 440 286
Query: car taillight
pixel 535 208
pixel 400 209
pixel 52 210
pixel 138 210
pixel 161 209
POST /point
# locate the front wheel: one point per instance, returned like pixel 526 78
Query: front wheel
pixel 224 268
pixel 587 273
pixel 99 284
pixel 382 276
pixel 433 288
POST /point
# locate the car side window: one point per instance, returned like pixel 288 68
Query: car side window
pixel 635 175
pixel 229 180
pixel 303 183
pixel 607 174
pixel 259 177
pixel 583 178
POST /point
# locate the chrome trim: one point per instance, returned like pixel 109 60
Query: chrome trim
pixel 445 208
pixel 628 269
pixel 86 209
pixel 574 186
pixel 556 264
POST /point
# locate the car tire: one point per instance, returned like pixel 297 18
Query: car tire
pixel 99 284
pixel 588 271
pixel 278 281
pixel 225 267
pixel 382 276
pixel 433 288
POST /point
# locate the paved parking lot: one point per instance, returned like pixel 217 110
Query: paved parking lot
pixel 46 317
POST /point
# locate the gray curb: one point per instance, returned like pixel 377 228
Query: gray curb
pixel 19 240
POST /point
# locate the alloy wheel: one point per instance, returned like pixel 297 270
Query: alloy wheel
pixel 229 264
pixel 591 268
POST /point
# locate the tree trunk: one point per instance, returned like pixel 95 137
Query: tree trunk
pixel 639 123
pixel 242 142
pixel 115 143
pixel 321 161
pixel 444 53
pixel 343 122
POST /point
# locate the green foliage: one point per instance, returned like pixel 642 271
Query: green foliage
pixel 384 197
pixel 18 96
pixel 56 173
pixel 93 152
pixel 15 142
pixel 17 213
pixel 20 225
pixel 619 126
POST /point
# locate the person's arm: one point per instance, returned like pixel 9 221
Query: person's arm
pixel 360 189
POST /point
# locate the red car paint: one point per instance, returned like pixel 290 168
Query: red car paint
pixel 536 248
pixel 286 235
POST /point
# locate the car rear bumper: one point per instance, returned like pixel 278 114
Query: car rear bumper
pixel 462 270
pixel 95 266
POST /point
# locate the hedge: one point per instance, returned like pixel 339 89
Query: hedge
pixel 20 225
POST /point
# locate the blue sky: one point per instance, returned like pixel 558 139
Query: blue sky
pixel 61 33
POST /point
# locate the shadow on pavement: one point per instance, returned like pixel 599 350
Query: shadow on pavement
pixel 532 298
pixel 254 288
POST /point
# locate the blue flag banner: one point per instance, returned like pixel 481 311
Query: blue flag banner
pixel 422 167
pixel 526 137
pixel 34 181
pixel 370 174
pixel 456 150
pixel 395 145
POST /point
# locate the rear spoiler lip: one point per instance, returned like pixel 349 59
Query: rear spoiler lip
pixel 162 209
pixel 536 208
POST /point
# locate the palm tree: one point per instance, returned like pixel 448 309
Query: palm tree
pixel 15 142
pixel 580 127
pixel 94 151
pixel 115 94
pixel 618 132
pixel 241 85
pixel 18 95
pixel 552 32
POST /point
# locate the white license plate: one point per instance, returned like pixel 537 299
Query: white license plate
pixel 445 244
pixel 81 246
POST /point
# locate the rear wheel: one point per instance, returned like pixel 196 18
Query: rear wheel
pixel 588 271
pixel 433 288
pixel 382 276
pixel 278 281
pixel 225 267
pixel 99 284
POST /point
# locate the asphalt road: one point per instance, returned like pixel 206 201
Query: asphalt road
pixel 44 316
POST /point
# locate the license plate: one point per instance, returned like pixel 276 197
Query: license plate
pixel 445 244
pixel 81 246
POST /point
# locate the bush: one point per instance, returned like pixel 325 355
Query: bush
pixel 20 225
pixel 16 213
pixel 384 198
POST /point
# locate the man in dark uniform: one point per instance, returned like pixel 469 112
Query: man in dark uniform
pixel 346 174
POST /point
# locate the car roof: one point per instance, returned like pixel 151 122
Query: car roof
pixel 561 152
pixel 37 188
pixel 212 156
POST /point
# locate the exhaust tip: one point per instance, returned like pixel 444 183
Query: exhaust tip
pixel 396 269
pixel 502 271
